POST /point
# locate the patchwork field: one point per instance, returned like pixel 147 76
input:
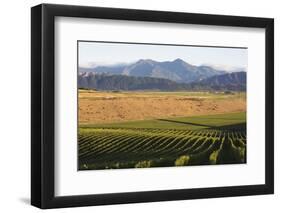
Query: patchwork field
pixel 166 141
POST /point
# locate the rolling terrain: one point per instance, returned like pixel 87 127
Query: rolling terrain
pixel 199 140
pixel 155 129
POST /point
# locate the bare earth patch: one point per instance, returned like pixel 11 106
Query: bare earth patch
pixel 109 107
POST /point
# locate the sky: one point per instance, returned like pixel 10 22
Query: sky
pixel 98 53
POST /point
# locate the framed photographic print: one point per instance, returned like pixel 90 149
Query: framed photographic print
pixel 139 106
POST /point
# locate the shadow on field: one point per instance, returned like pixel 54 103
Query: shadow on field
pixel 238 126
pixel 224 119
pixel 184 122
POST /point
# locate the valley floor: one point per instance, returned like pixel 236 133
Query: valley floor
pixel 97 107
pixel 157 129
pixel 185 141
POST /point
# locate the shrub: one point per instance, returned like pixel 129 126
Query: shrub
pixel 85 166
pixel 144 164
pixel 213 157
pixel 182 160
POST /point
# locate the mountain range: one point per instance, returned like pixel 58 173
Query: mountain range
pixel 147 74
pixel 123 82
pixel 177 70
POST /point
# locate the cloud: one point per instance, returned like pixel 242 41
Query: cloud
pixel 227 68
pixel 96 64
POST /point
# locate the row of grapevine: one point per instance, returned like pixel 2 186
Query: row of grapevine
pixel 102 148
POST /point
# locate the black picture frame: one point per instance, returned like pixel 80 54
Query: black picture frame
pixel 43 110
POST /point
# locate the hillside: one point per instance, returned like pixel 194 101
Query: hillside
pixel 229 81
pixel 123 82
pixel 177 70
pixel 235 81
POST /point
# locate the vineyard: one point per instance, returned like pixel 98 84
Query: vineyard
pixel 201 140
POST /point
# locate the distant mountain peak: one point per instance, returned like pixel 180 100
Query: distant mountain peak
pixel 176 70
pixel 146 61
pixel 179 60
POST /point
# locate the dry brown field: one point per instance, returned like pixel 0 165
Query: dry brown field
pixel 96 107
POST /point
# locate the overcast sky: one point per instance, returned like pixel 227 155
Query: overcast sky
pixel 96 53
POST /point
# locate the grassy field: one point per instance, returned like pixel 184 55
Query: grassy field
pixel 177 141
pixel 190 123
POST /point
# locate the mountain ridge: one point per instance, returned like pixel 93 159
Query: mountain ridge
pixel 177 70
pixel 230 81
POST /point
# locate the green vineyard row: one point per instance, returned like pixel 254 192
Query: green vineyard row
pixel 111 148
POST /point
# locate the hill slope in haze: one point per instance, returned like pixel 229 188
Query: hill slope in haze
pixel 123 82
pixel 235 81
pixel 177 70
pixel 229 81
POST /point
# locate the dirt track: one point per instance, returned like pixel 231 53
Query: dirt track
pixel 109 107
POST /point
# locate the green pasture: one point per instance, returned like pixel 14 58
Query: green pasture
pixel 219 121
